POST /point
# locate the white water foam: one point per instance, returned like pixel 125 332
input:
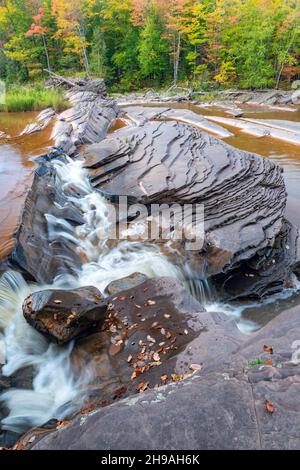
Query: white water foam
pixel 54 384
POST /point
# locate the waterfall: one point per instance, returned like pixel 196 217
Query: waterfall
pixel 54 384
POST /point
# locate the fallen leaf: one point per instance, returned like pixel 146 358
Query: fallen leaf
pixel 142 387
pixel 268 349
pixel 120 298
pixel 61 424
pixel 186 332
pixel 129 359
pixel 176 377
pixel 166 315
pixel 156 357
pixel 163 331
pixel 168 335
pixel 196 367
pixel 88 409
pixel 115 349
pixel 57 301
pixel 150 302
pixel 150 339
pixel 164 378
pixel 119 392
pixel 269 407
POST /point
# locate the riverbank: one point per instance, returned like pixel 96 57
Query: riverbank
pixel 33 98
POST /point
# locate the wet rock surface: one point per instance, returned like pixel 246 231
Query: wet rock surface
pixel 62 315
pixel 245 397
pixel 125 283
pixel 140 116
pixel 41 253
pixel 89 118
pixel 243 195
pixel 145 330
pixel 42 121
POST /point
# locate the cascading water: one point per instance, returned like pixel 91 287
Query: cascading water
pixel 54 384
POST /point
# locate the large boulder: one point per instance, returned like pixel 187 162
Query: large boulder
pixel 146 328
pixel 243 195
pixel 245 397
pixel 63 315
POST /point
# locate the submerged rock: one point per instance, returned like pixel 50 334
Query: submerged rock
pixel 140 116
pixel 243 195
pixel 63 315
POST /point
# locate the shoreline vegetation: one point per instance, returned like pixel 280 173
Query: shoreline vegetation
pixel 134 44
pixel 33 98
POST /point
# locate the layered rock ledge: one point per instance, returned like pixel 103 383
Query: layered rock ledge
pixel 249 248
pixel 241 392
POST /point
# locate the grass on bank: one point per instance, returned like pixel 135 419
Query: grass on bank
pixel 34 98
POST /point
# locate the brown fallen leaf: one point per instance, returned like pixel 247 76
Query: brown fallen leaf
pixel 120 297
pixel 164 378
pixel 129 359
pixel 115 349
pixel 57 301
pixel 268 349
pixel 119 392
pixel 61 424
pixel 176 377
pixel 168 335
pixel 150 302
pixel 269 407
pixel 88 409
pixel 142 386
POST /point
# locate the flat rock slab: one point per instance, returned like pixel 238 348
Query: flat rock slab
pixel 140 115
pixel 221 407
pixel 286 131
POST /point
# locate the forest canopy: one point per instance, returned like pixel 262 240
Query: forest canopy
pixel 152 43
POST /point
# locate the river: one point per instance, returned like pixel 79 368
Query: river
pixel 55 385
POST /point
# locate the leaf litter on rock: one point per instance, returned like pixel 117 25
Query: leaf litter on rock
pixel 269 407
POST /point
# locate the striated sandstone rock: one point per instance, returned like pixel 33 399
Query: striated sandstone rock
pixel 89 118
pixel 243 194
